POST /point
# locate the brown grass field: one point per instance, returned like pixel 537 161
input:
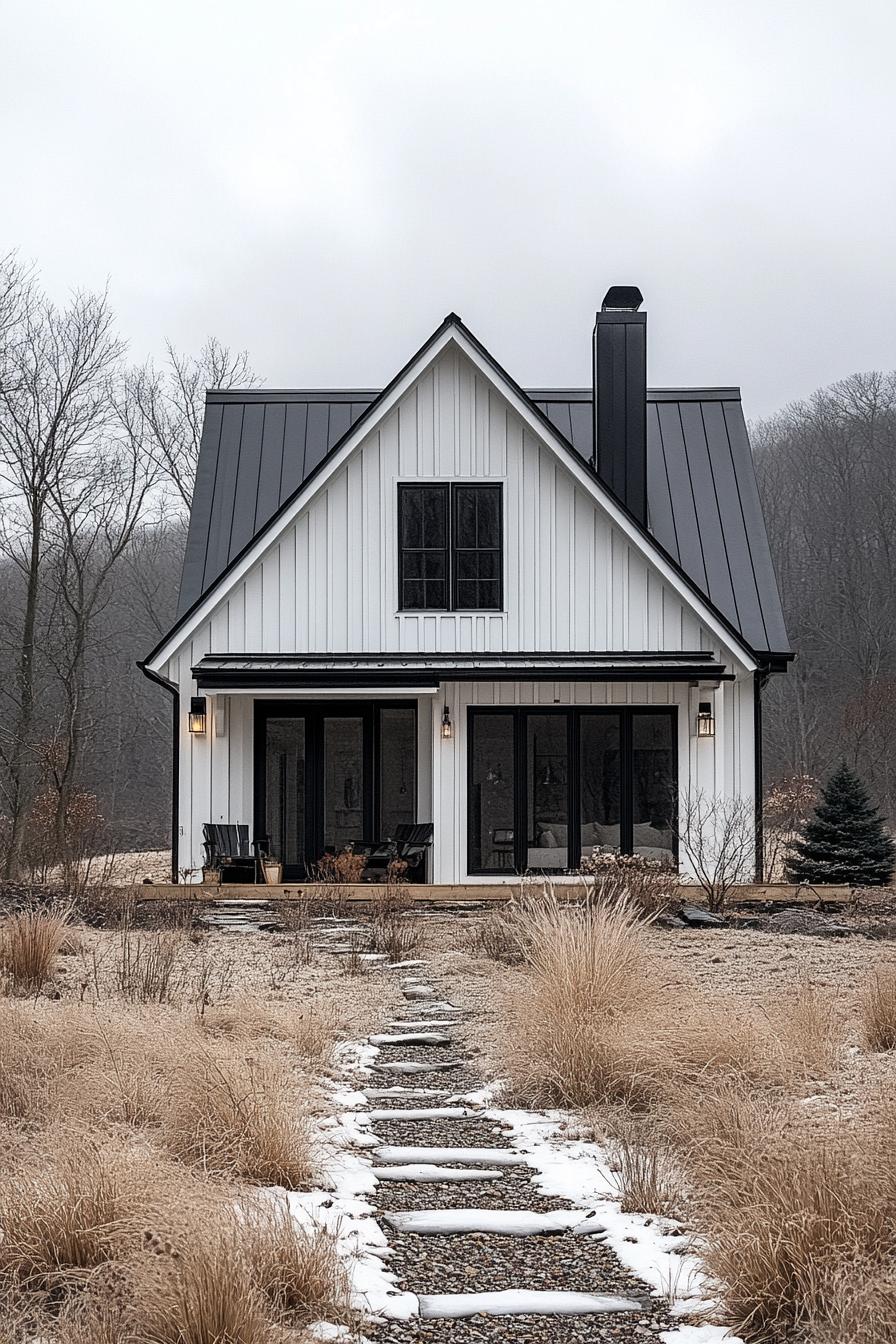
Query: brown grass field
pixel 153 1081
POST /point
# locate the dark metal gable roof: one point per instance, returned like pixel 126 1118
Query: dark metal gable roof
pixel 703 502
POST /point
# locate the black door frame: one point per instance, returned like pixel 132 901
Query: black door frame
pixel 574 713
pixel 315 713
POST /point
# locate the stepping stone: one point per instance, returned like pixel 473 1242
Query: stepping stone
pixel 426 1172
pixel 441 1006
pixel 418 992
pixel 497 1222
pixel 421 1024
pixel 424 1113
pixel 403 965
pixel 521 1302
pixel 381 1093
pixel 412 1066
pixel 413 1038
pixel 486 1157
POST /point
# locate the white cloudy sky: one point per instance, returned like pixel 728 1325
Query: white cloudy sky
pixel 322 182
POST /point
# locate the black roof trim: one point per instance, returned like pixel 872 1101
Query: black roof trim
pixel 216 395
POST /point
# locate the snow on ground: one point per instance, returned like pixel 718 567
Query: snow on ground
pixel 648 1245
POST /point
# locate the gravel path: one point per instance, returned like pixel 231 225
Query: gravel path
pixel 483 1262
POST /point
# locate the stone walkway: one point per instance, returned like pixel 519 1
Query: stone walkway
pixel 485 1252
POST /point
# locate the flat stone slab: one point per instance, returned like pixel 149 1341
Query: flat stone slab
pixel 427 1113
pixel 412 1038
pixel 486 1157
pixel 421 1023
pixel 413 1066
pixel 497 1222
pixel 522 1302
pixel 415 1093
pixel 427 1172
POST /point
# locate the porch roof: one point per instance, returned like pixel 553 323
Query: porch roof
pixel 251 671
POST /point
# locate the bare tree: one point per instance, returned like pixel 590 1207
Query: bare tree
pixel 54 404
pixel 171 404
pixel 717 834
pixel 97 504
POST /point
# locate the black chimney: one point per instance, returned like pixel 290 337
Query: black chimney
pixel 620 397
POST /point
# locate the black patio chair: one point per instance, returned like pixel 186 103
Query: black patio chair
pixel 410 842
pixel 226 848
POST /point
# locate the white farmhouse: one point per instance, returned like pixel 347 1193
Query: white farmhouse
pixel 537 620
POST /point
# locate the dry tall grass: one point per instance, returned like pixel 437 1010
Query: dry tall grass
pixel 239 1113
pixel 694 1098
pixel 590 973
pixel 786 1219
pixel 126 1121
pixel 29 945
pixel 878 1010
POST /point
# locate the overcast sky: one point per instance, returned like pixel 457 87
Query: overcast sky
pixel 321 183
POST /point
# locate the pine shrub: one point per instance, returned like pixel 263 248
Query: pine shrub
pixel 845 840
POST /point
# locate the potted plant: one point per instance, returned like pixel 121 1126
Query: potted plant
pixel 272 868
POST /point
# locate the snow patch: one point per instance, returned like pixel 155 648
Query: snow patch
pixel 354 1057
pixel 699 1334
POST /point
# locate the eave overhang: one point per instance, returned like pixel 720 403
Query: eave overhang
pixel 231 673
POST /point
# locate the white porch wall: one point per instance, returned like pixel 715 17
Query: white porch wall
pixel 216 772
pixel 719 766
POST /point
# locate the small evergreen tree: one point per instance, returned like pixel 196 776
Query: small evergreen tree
pixel 845 841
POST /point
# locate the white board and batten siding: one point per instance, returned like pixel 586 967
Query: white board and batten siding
pixel 573 582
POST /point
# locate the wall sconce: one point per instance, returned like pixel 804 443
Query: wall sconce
pixel 447 729
pixel 706 724
pixel 197 714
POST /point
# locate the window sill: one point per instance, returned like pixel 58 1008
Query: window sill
pixel 446 611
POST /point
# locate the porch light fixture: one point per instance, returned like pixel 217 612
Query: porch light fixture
pixel 447 729
pixel 706 724
pixel 197 714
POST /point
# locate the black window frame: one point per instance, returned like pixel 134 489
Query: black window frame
pixel 451 495
pixel 405 488
pixel 626 715
pixel 315 712
pixel 490 488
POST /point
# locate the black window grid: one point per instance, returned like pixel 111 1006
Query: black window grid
pixel 472 576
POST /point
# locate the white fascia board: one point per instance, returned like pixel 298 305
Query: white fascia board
pixel 590 482
pixel 270 537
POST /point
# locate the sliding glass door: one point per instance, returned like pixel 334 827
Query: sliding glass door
pixel 547 787
pixel 332 776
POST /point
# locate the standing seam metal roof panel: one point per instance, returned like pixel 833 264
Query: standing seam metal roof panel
pixel 702 497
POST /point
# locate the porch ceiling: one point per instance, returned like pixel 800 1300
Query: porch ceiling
pixel 246 671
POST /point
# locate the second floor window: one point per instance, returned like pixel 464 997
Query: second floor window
pixel 450 547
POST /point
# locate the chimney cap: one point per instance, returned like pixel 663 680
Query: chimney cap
pixel 622 299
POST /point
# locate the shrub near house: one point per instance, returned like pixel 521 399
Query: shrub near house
pixel 845 840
